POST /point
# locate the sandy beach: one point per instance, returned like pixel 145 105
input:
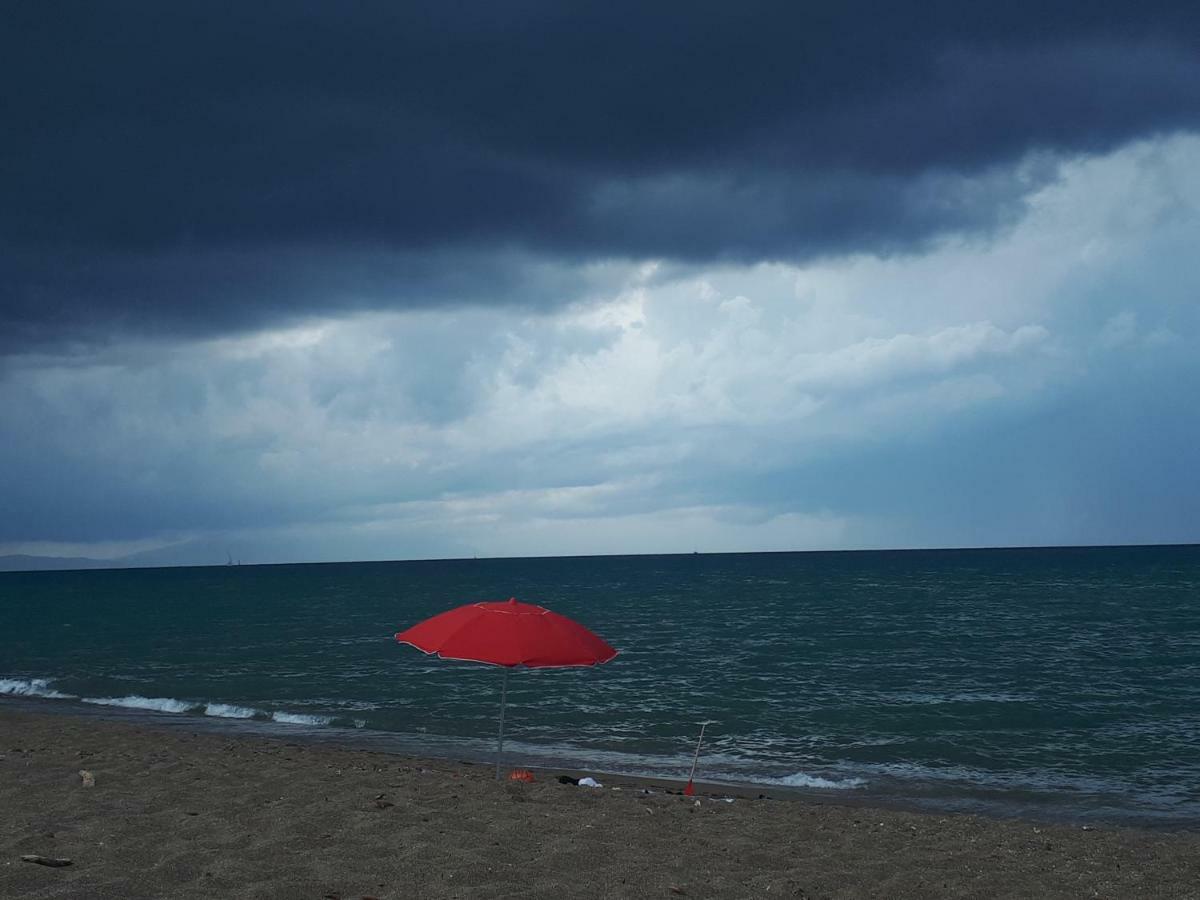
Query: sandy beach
pixel 181 814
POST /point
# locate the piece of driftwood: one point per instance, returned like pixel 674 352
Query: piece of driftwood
pixel 52 861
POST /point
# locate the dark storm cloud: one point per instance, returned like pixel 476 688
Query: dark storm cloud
pixel 196 167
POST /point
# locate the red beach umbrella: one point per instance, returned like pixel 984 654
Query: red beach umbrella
pixel 509 634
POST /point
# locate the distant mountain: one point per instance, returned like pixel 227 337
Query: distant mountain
pixel 23 563
pixel 201 552
pixel 208 552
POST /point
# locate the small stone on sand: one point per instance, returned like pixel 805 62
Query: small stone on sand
pixel 53 861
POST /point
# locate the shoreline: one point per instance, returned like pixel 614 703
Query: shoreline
pixel 934 799
pixel 177 812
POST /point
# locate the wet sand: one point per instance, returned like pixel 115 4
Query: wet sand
pixel 181 814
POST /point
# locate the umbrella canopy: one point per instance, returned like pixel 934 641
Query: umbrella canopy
pixel 509 634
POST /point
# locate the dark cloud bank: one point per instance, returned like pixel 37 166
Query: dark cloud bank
pixel 191 168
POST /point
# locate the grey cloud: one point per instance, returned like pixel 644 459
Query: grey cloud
pixel 191 292
pixel 199 168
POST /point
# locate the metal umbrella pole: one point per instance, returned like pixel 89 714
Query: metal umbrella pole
pixel 500 737
pixel 690 789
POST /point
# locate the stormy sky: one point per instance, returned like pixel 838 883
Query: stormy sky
pixel 318 281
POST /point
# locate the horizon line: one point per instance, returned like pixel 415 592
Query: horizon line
pixel 105 565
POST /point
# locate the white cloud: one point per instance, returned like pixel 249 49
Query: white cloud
pixel 619 422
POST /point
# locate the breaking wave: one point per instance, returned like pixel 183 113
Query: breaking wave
pixel 229 711
pixel 159 704
pixel 41 687
pixel 300 719
pixel 31 687
pixel 801 780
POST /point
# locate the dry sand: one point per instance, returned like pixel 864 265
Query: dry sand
pixel 177 814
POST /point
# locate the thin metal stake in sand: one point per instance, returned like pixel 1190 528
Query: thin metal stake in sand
pixel 689 790
pixel 500 738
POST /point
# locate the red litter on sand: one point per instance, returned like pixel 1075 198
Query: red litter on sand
pixel 690 790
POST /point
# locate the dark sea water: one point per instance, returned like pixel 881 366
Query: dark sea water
pixel 1062 683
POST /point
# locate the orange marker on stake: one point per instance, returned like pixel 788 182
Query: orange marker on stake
pixel 690 789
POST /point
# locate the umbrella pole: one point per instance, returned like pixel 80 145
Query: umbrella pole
pixel 690 789
pixel 500 737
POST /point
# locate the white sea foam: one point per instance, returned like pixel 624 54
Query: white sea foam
pixel 286 718
pixel 159 704
pixel 31 687
pixel 799 779
pixel 229 711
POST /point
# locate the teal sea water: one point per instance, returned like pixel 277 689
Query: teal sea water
pixel 1058 682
